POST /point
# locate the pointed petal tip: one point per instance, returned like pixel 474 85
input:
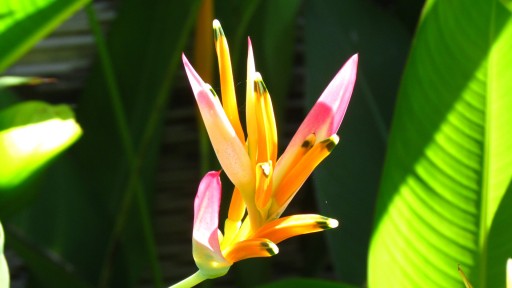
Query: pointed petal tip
pixel 216 24
pixel 332 223
pixel 354 60
pixel 271 248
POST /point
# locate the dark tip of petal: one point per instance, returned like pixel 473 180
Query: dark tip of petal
pixel 327 223
pixel 259 86
pixel 213 91
pixel 270 247
pixel 262 88
pixel 309 142
pixel 331 142
pixel 217 30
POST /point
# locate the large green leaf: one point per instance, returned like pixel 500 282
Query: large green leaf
pixel 24 22
pixel 31 134
pixel 449 163
pixel 346 184
pixel 4 270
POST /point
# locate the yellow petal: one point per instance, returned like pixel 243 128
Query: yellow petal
pixel 252 248
pixel 235 214
pixel 227 84
pixel 267 132
pixel 286 227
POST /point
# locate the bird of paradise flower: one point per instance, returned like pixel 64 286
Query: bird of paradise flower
pixel 264 184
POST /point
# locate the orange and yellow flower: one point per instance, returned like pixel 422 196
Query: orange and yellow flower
pixel 264 184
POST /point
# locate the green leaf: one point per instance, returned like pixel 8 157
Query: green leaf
pixel 31 134
pixel 449 163
pixel 24 22
pixel 347 181
pixel 4 270
pixel 305 283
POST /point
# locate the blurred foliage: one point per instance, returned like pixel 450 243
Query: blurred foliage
pixel 444 173
pixel 24 22
pixel 382 43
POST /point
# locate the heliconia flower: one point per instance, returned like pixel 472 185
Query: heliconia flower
pixel 264 184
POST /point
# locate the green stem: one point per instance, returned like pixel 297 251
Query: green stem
pixel 191 281
pixel 129 151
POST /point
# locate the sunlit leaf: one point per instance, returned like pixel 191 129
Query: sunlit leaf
pixel 31 134
pixel 445 191
pixel 24 22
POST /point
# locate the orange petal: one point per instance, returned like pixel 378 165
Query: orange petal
pixel 293 180
pixel 252 248
pixel 286 227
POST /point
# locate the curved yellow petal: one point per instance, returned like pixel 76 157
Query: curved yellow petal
pixel 267 131
pixel 252 248
pixel 286 227
pixel 227 84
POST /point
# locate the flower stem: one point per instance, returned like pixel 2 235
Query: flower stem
pixel 191 281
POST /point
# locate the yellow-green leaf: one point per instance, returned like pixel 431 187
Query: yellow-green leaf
pixel 31 134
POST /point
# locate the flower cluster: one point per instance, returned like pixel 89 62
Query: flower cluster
pixel 264 184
